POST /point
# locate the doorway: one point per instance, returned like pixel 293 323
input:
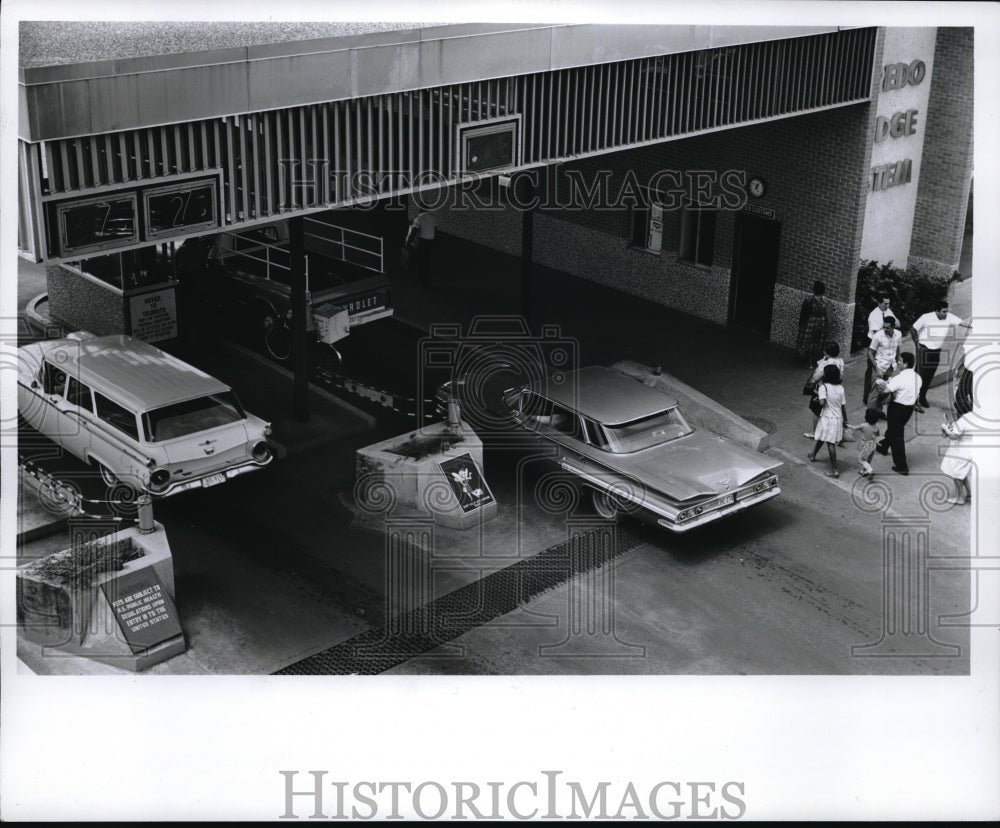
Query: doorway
pixel 755 270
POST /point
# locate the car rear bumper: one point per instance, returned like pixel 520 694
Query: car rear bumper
pixel 210 479
pixel 707 517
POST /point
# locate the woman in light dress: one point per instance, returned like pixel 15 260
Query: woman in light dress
pixel 957 460
pixel 830 425
pixel 831 356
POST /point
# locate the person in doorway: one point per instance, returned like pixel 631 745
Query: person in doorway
pixel 883 355
pixel 830 425
pixel 868 434
pixel 957 460
pixel 905 389
pixel 930 333
pixel 831 356
pixel 812 325
pixel 424 227
pixel 876 320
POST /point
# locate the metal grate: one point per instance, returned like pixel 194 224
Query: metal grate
pixel 469 607
pixel 355 151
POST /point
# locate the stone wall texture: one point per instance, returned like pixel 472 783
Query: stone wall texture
pixel 82 304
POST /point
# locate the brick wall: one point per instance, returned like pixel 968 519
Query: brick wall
pixel 945 174
pixel 816 170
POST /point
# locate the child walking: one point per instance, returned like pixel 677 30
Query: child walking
pixel 868 432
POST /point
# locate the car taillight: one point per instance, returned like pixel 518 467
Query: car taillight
pixel 261 452
pixel 158 480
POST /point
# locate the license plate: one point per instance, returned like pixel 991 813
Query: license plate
pixel 725 500
pixel 213 480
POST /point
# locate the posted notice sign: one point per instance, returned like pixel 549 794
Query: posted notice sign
pixel 466 482
pixel 144 611
pixel 154 315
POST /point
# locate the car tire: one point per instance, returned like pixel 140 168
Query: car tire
pixel 606 505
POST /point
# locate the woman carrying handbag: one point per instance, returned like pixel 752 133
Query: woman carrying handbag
pixel 832 416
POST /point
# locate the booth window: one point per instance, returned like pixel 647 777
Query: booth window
pixel 697 236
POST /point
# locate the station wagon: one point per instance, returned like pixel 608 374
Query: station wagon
pixel 138 415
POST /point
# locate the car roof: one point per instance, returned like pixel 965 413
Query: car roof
pixel 133 373
pixel 605 395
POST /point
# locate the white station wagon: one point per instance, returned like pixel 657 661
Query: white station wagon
pixel 137 414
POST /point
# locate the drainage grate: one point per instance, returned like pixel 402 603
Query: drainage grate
pixel 446 618
pixel 764 425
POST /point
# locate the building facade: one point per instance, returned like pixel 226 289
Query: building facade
pixel 716 170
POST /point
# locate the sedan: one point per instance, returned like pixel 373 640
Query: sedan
pixel 629 445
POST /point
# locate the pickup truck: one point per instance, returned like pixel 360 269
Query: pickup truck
pixel 345 282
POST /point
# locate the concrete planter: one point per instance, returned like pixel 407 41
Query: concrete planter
pixel 433 471
pixel 103 614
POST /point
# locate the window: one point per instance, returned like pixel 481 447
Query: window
pixel 647 432
pixel 116 416
pixel 595 436
pixel 566 422
pixel 192 416
pixel 79 394
pixel 53 379
pixel 697 236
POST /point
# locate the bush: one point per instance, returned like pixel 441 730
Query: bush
pixel 912 292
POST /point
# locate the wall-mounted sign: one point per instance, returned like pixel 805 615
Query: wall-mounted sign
pixel 153 315
pixel 763 212
pixel 886 176
pixel 96 223
pixel 898 125
pixel 488 145
pixel 898 75
pixel 180 208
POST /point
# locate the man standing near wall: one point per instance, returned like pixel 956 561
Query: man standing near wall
pixel 876 319
pixel 930 332
pixel 883 353
pixel 425 226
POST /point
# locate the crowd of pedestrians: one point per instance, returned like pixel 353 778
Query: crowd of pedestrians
pixel 895 386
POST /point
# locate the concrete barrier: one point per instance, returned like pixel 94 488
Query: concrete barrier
pixel 699 410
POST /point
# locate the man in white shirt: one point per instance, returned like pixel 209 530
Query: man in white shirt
pixel 930 333
pixel 883 353
pixel 876 319
pixel 905 389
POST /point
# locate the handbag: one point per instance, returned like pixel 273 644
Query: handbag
pixel 816 405
pixel 809 388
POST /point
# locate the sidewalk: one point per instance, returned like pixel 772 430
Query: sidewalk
pixel 755 379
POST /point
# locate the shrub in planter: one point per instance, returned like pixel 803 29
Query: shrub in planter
pixel 913 292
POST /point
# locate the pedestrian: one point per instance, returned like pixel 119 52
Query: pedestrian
pixel 904 388
pixel 868 432
pixel 812 324
pixel 883 355
pixel 830 425
pixel 957 460
pixel 423 229
pixel 876 319
pixel 831 356
pixel 930 333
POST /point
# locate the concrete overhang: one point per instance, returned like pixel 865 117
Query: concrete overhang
pixel 94 97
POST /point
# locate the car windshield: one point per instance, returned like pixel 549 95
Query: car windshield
pixel 191 416
pixel 647 432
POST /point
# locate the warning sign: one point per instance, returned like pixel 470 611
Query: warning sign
pixel 145 613
pixel 154 315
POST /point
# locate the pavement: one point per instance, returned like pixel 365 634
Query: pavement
pixel 754 378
